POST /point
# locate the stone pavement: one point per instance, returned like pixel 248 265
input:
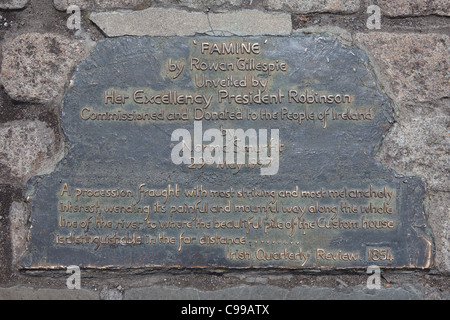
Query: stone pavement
pixel 257 292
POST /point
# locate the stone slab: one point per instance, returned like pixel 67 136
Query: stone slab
pixel 62 5
pixel 25 293
pixel 438 204
pixel 18 229
pixel 204 4
pixel 128 195
pixel 36 66
pixel 314 6
pixel 173 22
pixel 414 67
pixel 407 8
pixel 269 292
pixel 27 148
pixel 151 22
pixel 13 4
pixel 250 22
pixel 418 143
pixel 244 292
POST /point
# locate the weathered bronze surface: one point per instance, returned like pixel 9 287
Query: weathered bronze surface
pixel 149 178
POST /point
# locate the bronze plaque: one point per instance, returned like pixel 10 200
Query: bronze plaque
pixel 226 152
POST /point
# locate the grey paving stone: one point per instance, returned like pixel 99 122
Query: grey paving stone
pixel 62 5
pixel 202 4
pixel 405 8
pixel 312 6
pixel 173 22
pixel 151 22
pixel 251 22
pixel 13 4
pixel 340 34
pixel 438 204
pixel 23 293
pixel 276 293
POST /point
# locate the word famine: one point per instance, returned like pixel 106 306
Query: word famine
pixel 230 48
